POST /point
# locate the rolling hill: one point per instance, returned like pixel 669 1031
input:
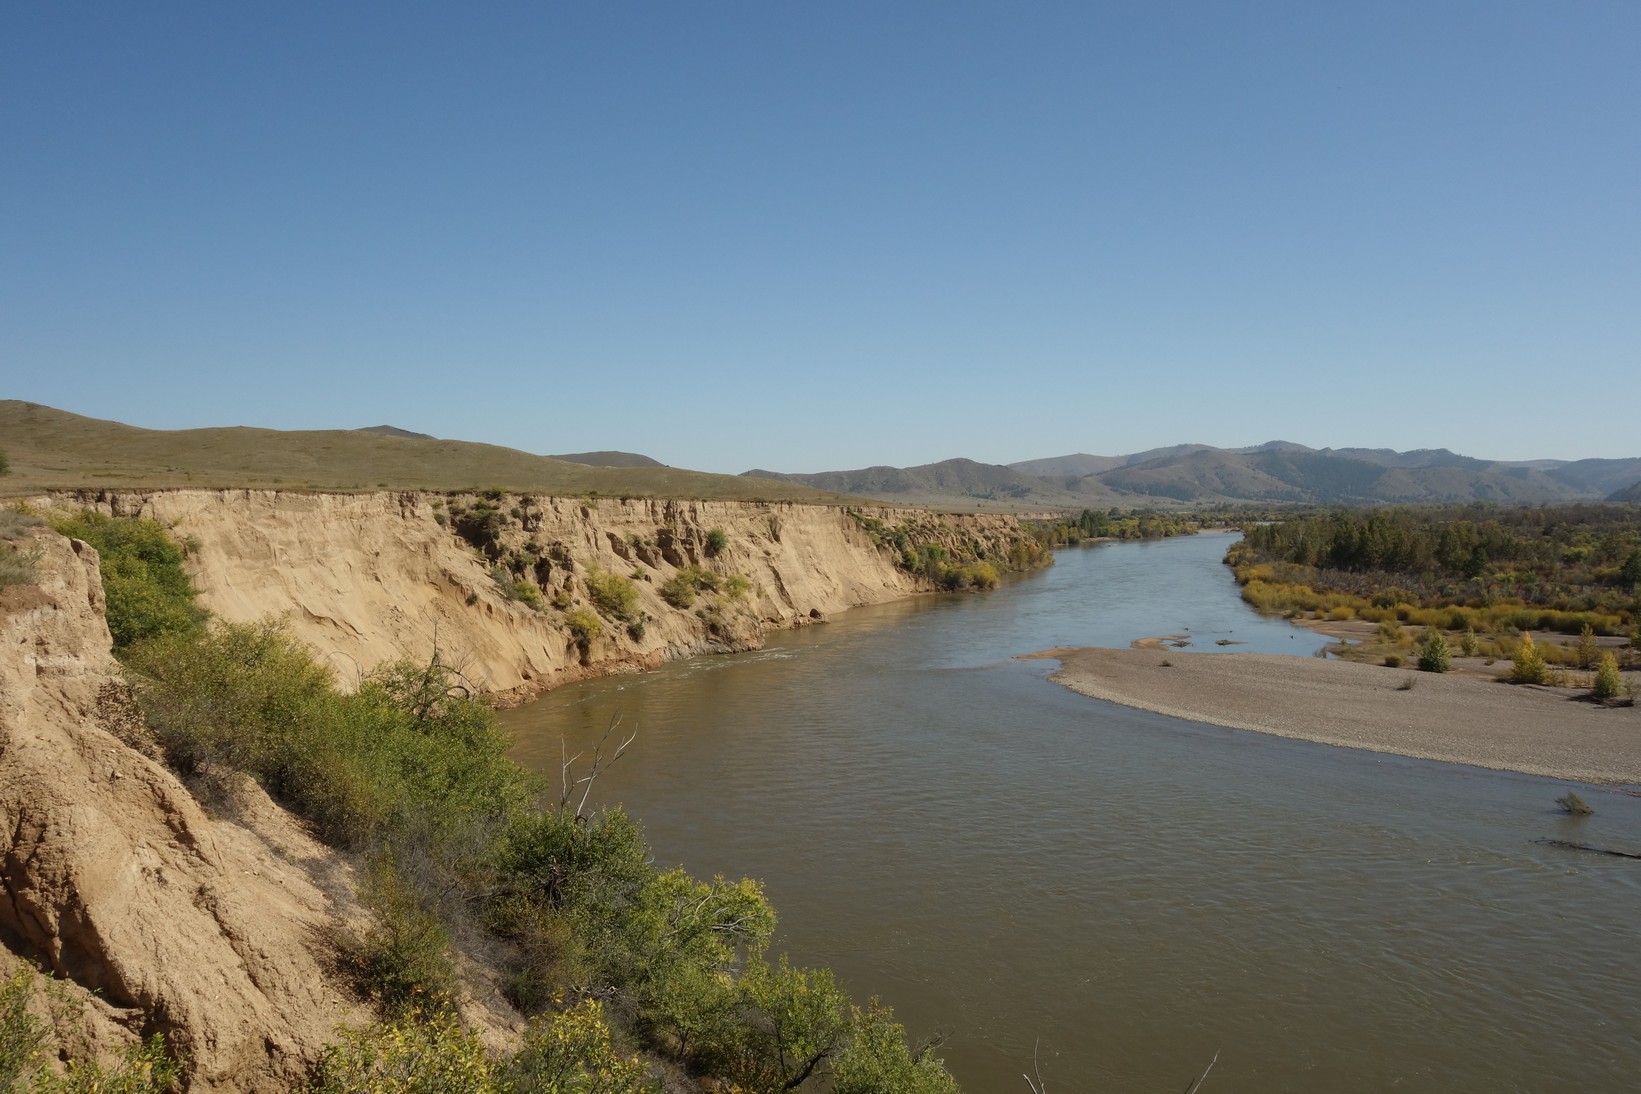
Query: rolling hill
pixel 54 449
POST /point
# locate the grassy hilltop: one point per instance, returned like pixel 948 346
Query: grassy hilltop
pixel 53 449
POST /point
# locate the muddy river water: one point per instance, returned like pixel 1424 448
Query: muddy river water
pixel 1120 895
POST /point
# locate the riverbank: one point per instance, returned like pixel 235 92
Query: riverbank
pixel 1538 731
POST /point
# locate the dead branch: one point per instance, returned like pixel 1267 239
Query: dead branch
pixel 567 784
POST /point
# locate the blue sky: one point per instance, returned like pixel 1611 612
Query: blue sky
pixel 816 236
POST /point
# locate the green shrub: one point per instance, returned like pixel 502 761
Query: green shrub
pixel 573 1053
pixel 716 542
pixel 804 1022
pixel 1434 656
pixel 405 955
pixel 26 1041
pixel 5 464
pixel 612 594
pixel 584 626
pixel 427 1051
pixel 1393 660
pixel 681 588
pixel 678 590
pixel 405 753
pixel 876 1060
pixel 147 592
pixel 419 1052
pixel 22 1034
pixel 1608 683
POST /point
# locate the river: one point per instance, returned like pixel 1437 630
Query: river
pixel 1032 873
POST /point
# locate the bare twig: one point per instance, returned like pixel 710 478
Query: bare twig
pixel 1038 1086
pixel 1196 1083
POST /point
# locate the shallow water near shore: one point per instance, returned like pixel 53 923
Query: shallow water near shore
pixel 1122 895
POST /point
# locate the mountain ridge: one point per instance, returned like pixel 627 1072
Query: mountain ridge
pixel 1275 472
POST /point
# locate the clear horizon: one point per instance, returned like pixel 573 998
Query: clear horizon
pixel 814 239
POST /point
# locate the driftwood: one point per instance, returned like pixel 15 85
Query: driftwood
pixel 1586 847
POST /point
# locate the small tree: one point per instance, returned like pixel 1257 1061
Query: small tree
pixel 1468 643
pixel 1434 656
pixel 1587 650
pixel 1608 684
pixel 1529 666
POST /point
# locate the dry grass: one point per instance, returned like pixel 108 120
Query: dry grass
pixel 53 449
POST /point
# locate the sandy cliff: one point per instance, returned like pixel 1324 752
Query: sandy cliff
pixel 367 578
pixel 158 918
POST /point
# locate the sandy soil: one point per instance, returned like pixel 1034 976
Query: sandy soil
pixel 1539 731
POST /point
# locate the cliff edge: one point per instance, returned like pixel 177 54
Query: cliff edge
pixel 370 578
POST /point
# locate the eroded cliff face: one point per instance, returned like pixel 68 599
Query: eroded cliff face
pixel 156 917
pixel 220 930
pixel 369 578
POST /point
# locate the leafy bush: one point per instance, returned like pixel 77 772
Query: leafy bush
pixel 402 754
pixel 573 1053
pixel 417 1053
pixel 1434 656
pixel 405 955
pixel 805 1021
pixel 148 594
pixel 584 626
pixel 716 541
pixel 426 1051
pixel 1608 683
pixel 612 594
pixel 681 588
pixel 877 1061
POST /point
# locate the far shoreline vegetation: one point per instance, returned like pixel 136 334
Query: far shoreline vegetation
pixel 1144 523
pixel 1474 581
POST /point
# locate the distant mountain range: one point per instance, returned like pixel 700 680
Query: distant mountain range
pixel 1276 472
